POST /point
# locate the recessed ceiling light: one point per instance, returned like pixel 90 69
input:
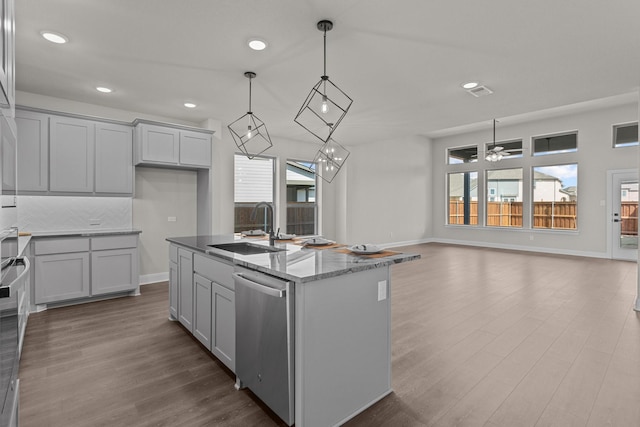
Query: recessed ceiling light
pixel 257 44
pixel 470 85
pixel 104 89
pixel 190 105
pixel 54 37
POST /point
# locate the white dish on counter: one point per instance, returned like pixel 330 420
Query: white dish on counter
pixel 365 249
pixel 283 236
pixel 253 233
pixel 318 241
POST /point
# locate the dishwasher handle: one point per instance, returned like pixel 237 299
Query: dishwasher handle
pixel 278 293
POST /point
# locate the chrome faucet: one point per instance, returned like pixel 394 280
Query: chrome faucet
pixel 269 207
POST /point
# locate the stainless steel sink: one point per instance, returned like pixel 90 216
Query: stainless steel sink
pixel 246 248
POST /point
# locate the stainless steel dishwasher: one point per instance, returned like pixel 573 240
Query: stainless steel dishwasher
pixel 265 340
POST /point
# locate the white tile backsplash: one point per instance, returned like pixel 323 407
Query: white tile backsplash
pixel 61 213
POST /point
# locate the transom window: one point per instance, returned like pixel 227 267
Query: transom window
pixel 555 144
pixel 625 135
pixel 463 155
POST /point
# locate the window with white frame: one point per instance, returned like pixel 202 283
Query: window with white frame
pixel 504 201
pixel 555 197
pixel 463 198
pixel 253 183
pixel 302 207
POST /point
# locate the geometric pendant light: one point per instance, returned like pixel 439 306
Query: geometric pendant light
pixel 329 159
pixel 326 105
pixel 249 132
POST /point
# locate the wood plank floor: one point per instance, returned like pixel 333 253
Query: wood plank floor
pixel 481 337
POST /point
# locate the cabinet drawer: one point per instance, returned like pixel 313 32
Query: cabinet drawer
pixel 61 246
pixel 114 242
pixel 214 270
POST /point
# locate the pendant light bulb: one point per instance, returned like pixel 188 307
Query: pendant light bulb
pixel 249 133
pixel 325 105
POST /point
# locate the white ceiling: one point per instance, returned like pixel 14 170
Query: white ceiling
pixel 402 61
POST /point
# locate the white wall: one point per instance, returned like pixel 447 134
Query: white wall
pixel 388 192
pixel 595 156
pixel 160 194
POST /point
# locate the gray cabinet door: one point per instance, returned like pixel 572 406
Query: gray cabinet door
pixel 71 151
pixel 61 277
pixel 114 158
pixel 223 328
pixel 159 144
pixel 185 289
pixel 195 149
pixel 202 310
pixel 114 270
pixel 33 151
pixel 173 290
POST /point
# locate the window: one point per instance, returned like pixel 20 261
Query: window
pixel 555 144
pixel 463 198
pixel 510 149
pixel 555 197
pixel 504 200
pixel 301 198
pixel 253 179
pixel 625 135
pixel 463 155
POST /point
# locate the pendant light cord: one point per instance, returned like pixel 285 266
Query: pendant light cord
pixel 325 53
pixel 250 78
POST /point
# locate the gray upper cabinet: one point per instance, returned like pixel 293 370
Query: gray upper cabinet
pixel 114 158
pixel 195 149
pixel 62 154
pixel 158 144
pixel 33 151
pixel 71 154
pixel 171 146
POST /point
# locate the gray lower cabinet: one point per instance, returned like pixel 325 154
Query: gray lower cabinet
pixel 173 290
pixel 114 270
pixel 61 277
pixel 185 288
pixel 202 298
pixel 80 267
pixel 223 329
pixel 202 310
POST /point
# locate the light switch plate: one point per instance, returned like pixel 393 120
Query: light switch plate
pixel 382 290
pixel 171 219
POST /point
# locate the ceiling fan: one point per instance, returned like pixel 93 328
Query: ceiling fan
pixel 495 153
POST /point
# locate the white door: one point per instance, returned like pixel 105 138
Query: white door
pixel 624 215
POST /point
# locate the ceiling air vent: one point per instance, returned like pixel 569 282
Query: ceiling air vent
pixel 480 91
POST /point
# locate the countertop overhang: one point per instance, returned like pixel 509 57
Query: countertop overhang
pixel 296 262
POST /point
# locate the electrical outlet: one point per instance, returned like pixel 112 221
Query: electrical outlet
pixel 171 219
pixel 382 290
pixel 94 221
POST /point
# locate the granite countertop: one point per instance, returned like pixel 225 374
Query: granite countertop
pixel 85 232
pixel 295 262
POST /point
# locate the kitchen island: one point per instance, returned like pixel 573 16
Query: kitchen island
pixel 340 316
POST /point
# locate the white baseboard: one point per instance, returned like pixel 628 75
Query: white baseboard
pixel 146 279
pixel 556 251
pixel 405 243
